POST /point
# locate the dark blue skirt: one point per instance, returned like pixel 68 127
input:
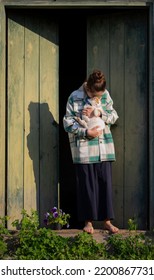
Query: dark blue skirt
pixel 94 191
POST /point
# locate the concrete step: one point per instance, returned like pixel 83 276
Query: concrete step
pixel 99 235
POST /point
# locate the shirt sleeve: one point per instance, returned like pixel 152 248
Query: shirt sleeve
pixel 69 122
pixel 109 114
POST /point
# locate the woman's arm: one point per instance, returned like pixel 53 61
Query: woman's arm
pixel 69 122
pixel 109 114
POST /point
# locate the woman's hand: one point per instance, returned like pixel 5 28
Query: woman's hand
pixel 94 132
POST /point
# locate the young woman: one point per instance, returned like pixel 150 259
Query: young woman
pixel 92 152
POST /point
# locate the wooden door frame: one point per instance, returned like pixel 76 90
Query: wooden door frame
pixel 4 5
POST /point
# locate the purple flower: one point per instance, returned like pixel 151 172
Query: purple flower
pixel 54 209
pixel 46 215
pixel 55 214
pixel 45 221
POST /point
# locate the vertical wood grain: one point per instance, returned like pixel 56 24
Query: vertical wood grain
pixel 31 114
pixel 2 111
pixel 49 53
pixel 98 44
pixel 136 119
pixel 117 93
pixel 15 116
pixel 151 116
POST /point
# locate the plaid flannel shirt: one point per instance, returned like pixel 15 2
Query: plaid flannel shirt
pixel 86 150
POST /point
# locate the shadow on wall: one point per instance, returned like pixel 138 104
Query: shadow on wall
pixel 43 147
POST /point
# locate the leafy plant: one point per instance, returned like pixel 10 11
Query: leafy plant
pixel 84 247
pixel 47 245
pixel 42 243
pixel 37 243
pixel 56 216
pixel 132 224
pixel 133 247
pixel 3 232
pixel 33 243
pixel 3 248
pixel 28 221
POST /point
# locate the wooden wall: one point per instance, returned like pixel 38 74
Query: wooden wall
pixel 32 114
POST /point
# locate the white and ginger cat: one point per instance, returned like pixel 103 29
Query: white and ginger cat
pixel 96 120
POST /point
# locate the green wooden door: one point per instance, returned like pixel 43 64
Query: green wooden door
pixel 32 113
pixel 117 43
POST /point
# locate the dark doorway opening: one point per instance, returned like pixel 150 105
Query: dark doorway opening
pixel 72 72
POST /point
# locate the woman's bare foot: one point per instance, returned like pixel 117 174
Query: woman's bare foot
pixel 111 228
pixel 88 227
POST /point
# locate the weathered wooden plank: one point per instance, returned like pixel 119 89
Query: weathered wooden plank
pixel 117 94
pixel 75 3
pixel 136 119
pixel 2 111
pixel 151 118
pixel 49 56
pixel 98 44
pixel 15 116
pixel 31 113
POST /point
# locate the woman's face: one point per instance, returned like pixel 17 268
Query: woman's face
pixel 98 93
pixel 95 93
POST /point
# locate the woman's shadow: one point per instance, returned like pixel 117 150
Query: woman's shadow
pixel 43 147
